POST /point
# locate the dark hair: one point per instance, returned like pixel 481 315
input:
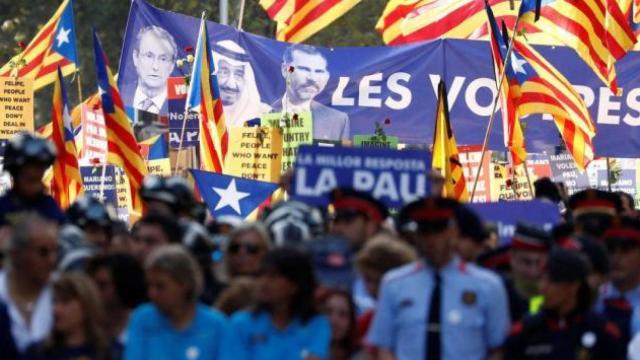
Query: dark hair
pixel 127 274
pixel 350 343
pixel 169 226
pixel 545 188
pixel 287 57
pixel 294 265
pixel 627 196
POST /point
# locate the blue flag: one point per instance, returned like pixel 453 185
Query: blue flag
pixel 230 195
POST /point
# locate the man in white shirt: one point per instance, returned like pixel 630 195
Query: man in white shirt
pixel 24 286
pixel 154 57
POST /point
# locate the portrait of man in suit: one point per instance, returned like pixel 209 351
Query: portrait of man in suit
pixel 154 57
pixel 307 74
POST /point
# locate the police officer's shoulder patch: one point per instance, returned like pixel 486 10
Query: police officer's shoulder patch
pixel 469 297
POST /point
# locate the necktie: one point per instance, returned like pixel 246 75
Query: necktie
pixel 146 104
pixel 434 346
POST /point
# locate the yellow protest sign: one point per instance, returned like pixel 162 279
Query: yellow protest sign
pixel 160 167
pixel 123 195
pixel 254 153
pixel 295 129
pixel 16 106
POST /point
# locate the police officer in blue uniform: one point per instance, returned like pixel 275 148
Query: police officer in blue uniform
pixel 439 307
pixel 26 158
pixel 565 328
pixel 621 294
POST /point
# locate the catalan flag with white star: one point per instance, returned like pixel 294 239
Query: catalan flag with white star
pixel 445 151
pixel 122 147
pixel 53 46
pixel 203 97
pixel 66 184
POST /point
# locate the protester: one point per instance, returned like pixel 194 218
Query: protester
pixel 174 325
pixel 285 323
pixel 341 311
pixel 565 328
pixel 151 231
pixel 239 295
pixel 381 254
pixel 621 294
pixel 627 203
pixel 473 239
pixel 26 158
pixel 459 309
pixel 528 254
pixel 248 244
pixel 24 286
pixel 121 283
pixel 78 323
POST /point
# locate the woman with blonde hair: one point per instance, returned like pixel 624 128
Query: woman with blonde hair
pixel 174 325
pixel 78 320
pixel 247 246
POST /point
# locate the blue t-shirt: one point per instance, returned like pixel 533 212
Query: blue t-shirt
pixel 253 337
pixel 152 336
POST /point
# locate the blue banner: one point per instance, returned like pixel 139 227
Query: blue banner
pixel 391 176
pixel 92 181
pixel 348 90
pixel 508 213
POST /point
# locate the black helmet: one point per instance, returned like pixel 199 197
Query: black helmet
pixel 88 210
pixel 174 191
pixel 25 148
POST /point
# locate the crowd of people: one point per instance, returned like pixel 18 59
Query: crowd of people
pixel 353 281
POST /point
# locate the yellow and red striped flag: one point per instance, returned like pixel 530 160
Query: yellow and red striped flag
pixel 66 184
pixel 538 88
pixel 512 128
pixel 298 20
pixel 122 147
pixel 445 151
pixel 53 46
pixel 596 29
pixel 203 97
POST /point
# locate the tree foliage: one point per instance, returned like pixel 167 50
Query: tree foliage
pixel 20 21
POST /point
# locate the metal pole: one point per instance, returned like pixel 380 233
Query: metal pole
pixel 224 12
pixel 495 106
pixel 241 16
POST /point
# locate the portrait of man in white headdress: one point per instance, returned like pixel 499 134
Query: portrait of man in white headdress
pixel 238 89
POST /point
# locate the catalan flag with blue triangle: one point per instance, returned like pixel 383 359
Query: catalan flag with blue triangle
pixel 122 147
pixel 536 87
pixel 53 47
pixel 230 195
pixel 203 97
pixel 66 183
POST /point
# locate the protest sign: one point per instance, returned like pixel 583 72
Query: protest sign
pixel 294 130
pixel 506 215
pixel 160 167
pixel 94 136
pixel 470 160
pixel 254 153
pixel 563 169
pixel 176 99
pixel 395 177
pixel 16 106
pixel 92 180
pixel 367 85
pixel 123 192
pixel 389 142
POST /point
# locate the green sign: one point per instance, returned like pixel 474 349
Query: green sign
pixel 389 142
pixel 296 129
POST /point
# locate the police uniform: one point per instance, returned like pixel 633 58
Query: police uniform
pixel 579 334
pixel 12 208
pixel 616 306
pixel 458 311
pixel 525 238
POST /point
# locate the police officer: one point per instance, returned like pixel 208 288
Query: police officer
pixel 565 328
pixel 528 253
pixel 621 294
pixel 439 307
pixel 26 158
pixel 593 210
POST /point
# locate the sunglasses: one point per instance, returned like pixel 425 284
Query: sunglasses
pixel 251 249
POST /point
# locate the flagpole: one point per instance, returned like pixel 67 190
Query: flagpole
pixel 184 125
pixel 241 16
pixel 104 171
pixel 526 172
pixel 79 83
pixel 495 106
